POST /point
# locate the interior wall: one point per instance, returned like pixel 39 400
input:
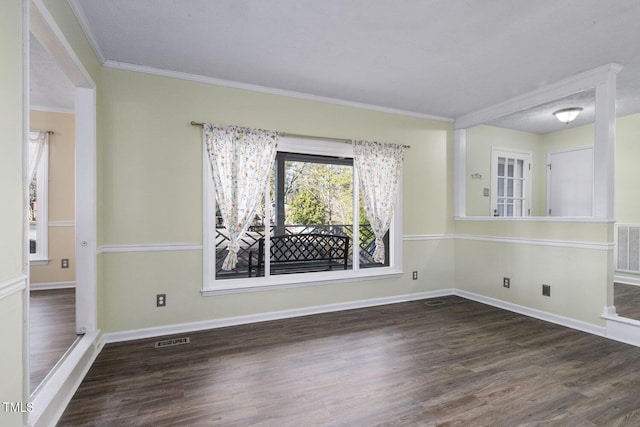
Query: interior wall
pixel 61 197
pixel 574 258
pixel 480 141
pixel 12 214
pixel 153 196
pixel 628 174
pixel 627 170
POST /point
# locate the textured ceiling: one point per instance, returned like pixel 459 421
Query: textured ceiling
pixel 442 58
pixel 49 86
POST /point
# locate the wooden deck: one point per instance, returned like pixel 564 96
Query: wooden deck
pixel 457 363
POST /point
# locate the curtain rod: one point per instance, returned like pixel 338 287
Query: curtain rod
pixel 298 135
pixel 50 132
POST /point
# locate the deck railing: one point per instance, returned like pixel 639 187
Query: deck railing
pixel 250 240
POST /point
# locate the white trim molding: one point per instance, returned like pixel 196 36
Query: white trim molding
pixel 579 82
pixel 623 329
pixel 425 237
pixel 263 317
pixel 125 66
pixel 13 285
pixel 51 285
pixel 62 223
pixel 626 280
pixel 539 242
pixel 51 398
pixel 532 312
pixel 150 247
pixel 170 247
pixel 86 28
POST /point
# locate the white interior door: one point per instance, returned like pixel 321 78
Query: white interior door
pixel 570 182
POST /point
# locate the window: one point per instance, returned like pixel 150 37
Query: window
pixel 38 200
pixel 313 191
pixel 510 181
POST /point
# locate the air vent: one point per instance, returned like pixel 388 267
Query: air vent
pixel 433 302
pixel 628 248
pixel 172 342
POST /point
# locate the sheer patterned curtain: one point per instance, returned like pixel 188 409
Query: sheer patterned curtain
pixel 379 169
pixel 37 141
pixel 241 161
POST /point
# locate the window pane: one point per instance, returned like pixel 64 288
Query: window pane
pixel 510 168
pixel 510 188
pixel 510 209
pixel 311 199
pixel 518 188
pixel 501 166
pixel 500 187
pixel 518 207
pixel 520 169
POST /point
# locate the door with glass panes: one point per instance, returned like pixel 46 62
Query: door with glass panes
pixel 510 183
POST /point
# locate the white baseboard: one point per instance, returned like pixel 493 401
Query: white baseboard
pixel 263 317
pixel 538 314
pixel 51 285
pixel 626 280
pixel 623 329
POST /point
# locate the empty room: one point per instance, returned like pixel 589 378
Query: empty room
pixel 347 212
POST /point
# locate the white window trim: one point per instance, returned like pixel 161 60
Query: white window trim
pixel 41 257
pixel 505 152
pixel 211 286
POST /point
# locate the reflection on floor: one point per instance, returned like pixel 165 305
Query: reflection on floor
pixel 627 300
pixel 52 330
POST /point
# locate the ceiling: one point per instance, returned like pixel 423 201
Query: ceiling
pixel 433 58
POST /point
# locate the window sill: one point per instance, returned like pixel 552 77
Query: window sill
pixel 39 261
pixel 238 286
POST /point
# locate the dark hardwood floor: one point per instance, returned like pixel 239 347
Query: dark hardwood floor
pixel 52 317
pixel 627 300
pixel 457 363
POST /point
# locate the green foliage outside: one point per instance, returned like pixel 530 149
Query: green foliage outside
pixel 319 186
pixel 305 208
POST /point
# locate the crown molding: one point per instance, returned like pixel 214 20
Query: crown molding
pixel 86 28
pixel 125 66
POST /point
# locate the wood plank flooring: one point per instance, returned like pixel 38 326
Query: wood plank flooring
pixel 52 317
pixel 627 300
pixel 457 363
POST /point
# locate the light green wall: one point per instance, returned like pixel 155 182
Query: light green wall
pixel 628 174
pixel 490 253
pixel 575 258
pixel 627 169
pixel 149 177
pixel 481 139
pixel 12 214
pixel 153 189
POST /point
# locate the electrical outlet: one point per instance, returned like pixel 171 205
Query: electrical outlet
pixel 546 290
pixel 415 275
pixel 506 282
pixel 161 300
pixel 64 263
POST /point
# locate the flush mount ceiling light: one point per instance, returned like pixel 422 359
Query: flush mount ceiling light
pixel 566 115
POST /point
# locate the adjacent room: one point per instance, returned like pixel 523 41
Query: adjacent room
pixel 320 213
